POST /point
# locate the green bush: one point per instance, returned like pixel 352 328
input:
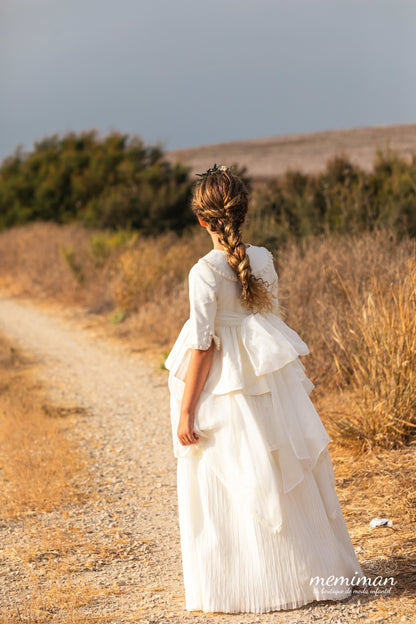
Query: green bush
pixel 115 183
pixel 342 199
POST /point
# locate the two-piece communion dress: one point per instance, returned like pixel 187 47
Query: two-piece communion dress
pixel 259 517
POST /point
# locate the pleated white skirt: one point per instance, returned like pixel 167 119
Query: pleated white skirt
pixel 234 562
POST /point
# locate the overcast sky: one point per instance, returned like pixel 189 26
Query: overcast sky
pixel 188 72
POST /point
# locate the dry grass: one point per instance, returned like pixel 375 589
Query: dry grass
pixel 377 359
pixel 139 282
pixel 335 291
pixel 353 301
pixel 314 276
pixel 147 271
pixel 61 263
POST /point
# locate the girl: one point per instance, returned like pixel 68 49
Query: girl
pixel 260 522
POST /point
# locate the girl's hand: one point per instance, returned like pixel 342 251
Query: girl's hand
pixel 196 374
pixel 185 432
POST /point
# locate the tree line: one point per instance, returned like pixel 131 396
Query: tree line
pixel 118 182
pixel 115 182
pixel 344 198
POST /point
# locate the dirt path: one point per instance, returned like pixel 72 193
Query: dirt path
pixel 126 434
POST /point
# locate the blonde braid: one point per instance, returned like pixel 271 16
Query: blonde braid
pixel 221 199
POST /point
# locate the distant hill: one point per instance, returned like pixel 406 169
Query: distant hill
pixel 269 157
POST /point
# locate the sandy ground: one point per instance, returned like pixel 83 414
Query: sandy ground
pixel 125 432
pixel 272 156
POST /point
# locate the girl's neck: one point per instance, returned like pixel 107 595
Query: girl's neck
pixel 218 247
pixel 215 243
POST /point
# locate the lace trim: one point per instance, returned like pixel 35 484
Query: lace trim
pixel 269 264
pixel 231 275
pixel 205 345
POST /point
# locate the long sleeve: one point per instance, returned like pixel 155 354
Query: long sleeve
pixel 203 308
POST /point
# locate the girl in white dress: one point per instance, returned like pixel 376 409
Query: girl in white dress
pixel 260 522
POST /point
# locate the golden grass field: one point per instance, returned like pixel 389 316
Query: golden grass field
pixel 352 299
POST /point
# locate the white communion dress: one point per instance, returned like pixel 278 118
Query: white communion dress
pixel 259 517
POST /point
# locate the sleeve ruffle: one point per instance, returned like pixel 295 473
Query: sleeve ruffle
pixel 205 343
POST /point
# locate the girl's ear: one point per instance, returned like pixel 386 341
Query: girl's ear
pixel 202 222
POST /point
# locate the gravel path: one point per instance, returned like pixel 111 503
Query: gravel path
pixel 126 433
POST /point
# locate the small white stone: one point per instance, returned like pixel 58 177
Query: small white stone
pixel 377 522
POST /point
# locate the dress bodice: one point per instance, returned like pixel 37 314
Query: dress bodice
pixel 221 279
pixel 248 345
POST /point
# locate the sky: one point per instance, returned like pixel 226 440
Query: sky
pixel 182 73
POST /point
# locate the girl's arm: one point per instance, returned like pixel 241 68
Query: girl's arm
pixel 196 375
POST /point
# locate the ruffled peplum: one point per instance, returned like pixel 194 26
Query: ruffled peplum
pixel 258 428
pixel 251 346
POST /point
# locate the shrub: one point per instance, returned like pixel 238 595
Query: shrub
pixel 342 199
pixel 115 182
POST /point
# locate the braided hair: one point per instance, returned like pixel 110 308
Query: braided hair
pixel 221 200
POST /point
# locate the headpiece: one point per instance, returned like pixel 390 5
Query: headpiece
pixel 210 171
